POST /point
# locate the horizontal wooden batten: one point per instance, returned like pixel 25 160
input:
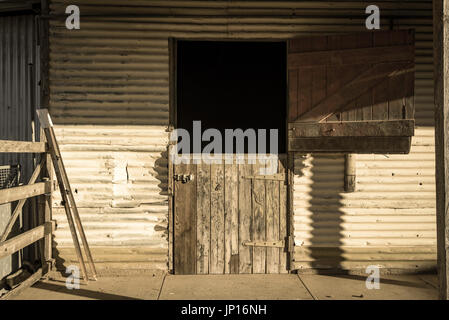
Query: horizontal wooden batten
pixel 22 146
pixel 23 192
pixel 21 241
pixel 397 128
pixel 351 56
pixel 375 145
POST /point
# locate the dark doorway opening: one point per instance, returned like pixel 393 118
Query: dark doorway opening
pixel 231 85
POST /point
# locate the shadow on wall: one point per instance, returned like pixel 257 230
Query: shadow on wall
pixel 320 216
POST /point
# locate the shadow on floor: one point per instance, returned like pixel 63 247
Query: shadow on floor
pixel 81 292
pixel 383 280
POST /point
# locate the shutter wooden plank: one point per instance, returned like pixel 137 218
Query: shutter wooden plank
pixel 396 92
pixel 388 128
pixel 409 94
pixel 203 217
pixel 304 91
pixel 318 85
pixel 351 56
pixel 366 106
pixel 185 222
pixel 367 80
pixel 245 218
pixel 380 101
pixel 293 94
pixel 382 145
pixel 258 230
pixel 217 219
pixel 231 219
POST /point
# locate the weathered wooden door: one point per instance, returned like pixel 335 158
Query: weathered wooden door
pixel 228 218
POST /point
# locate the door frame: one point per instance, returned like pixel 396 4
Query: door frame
pixel 172 47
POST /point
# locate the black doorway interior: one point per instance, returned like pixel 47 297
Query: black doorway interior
pixel 232 84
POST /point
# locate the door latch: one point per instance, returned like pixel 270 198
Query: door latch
pixel 183 177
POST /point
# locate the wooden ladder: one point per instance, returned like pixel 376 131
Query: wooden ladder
pixel 67 195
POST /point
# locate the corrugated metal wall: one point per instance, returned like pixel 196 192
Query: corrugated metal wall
pixel 109 99
pixel 18 85
pixel 18 96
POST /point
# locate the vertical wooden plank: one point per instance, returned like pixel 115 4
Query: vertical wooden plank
pixel 217 219
pixel 409 98
pixel 380 92
pixel 441 76
pixel 231 219
pixel 273 224
pixel 293 94
pixel 396 93
pixel 203 217
pixel 185 222
pixel 245 218
pixel 333 82
pixel 318 85
pixel 170 188
pixel 283 215
pixel 48 173
pixel 380 101
pixel 44 53
pixel 259 221
pixel 304 90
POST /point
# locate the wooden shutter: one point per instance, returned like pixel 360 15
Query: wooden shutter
pixel 352 93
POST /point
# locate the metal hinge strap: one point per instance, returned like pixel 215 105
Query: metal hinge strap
pixel 274 244
pixel 277 177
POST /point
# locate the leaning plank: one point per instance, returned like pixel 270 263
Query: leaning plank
pixel 351 56
pixel 35 277
pixel 23 192
pixel 22 146
pixel 12 245
pixel 388 128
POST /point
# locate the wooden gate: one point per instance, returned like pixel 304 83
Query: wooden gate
pixel 228 218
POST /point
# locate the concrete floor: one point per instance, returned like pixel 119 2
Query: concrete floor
pixel 154 286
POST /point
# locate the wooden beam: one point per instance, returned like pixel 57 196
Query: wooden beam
pixel 12 245
pixel 441 94
pixel 22 146
pixel 367 145
pixel 19 206
pixel 351 56
pixel 24 192
pixel 35 277
pixel 388 128
pixel 350 172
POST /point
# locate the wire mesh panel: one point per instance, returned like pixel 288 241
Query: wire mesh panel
pixel 9 178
